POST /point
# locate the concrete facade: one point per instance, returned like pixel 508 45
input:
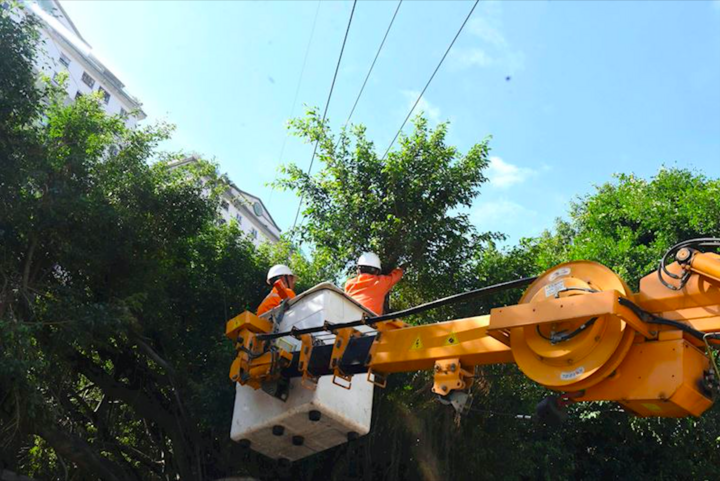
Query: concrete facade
pixel 64 50
pixel 247 210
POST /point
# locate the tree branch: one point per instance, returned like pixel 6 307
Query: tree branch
pixel 154 355
pixel 81 453
pixel 155 408
pixel 28 264
pixel 6 475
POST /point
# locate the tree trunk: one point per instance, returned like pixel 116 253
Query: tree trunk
pixel 153 407
pixel 81 453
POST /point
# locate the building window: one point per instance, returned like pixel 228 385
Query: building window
pixel 254 233
pixel 225 205
pixel 64 59
pixel 105 94
pixel 88 80
pixel 221 221
pixel 124 114
pixel 78 94
pixel 55 79
pixel 238 218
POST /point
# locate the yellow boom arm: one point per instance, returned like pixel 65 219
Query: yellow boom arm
pixel 578 330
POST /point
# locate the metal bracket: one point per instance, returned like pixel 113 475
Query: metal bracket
pixel 309 381
pixel 378 379
pixel 450 376
pixel 459 400
pixel 342 339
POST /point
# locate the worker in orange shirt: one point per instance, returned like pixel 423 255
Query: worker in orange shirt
pixel 369 288
pixel 281 290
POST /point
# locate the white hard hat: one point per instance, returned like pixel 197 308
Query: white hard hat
pixel 369 259
pixel 279 270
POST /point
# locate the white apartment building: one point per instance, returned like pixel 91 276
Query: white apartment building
pixel 247 210
pixel 250 214
pixel 63 49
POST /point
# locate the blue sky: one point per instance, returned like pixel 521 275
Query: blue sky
pixel 596 88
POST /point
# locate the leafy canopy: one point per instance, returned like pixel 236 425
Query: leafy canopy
pixel 115 285
pixel 407 207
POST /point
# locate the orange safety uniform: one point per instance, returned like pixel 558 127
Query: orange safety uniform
pixel 370 290
pixel 273 300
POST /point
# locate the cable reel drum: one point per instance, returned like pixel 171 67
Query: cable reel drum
pixel 572 355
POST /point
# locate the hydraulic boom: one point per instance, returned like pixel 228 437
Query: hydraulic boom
pixel 578 330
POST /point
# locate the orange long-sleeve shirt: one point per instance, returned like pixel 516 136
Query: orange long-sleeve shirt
pixel 273 300
pixel 370 290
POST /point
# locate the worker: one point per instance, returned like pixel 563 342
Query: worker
pixel 283 290
pixel 369 288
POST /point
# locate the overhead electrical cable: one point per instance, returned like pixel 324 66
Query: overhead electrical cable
pixel 327 104
pixel 373 63
pixel 371 321
pixel 297 88
pixel 430 79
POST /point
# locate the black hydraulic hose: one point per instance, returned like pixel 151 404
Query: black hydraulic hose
pixel 662 270
pixel 371 321
pixel 464 296
pixel 562 336
pixel 651 318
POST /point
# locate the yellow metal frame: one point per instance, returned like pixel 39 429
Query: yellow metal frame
pixel 568 309
pixel 607 352
pixel 419 347
pixel 309 380
pixel 451 376
pixel 342 339
pixel 253 365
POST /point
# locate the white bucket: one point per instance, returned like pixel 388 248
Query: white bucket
pixel 291 429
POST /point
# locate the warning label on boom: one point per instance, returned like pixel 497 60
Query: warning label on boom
pixel 451 339
pixel 417 344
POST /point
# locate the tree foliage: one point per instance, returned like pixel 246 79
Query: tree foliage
pixel 407 207
pixel 115 284
pixel 627 225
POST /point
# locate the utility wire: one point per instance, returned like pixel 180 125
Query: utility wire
pixel 372 66
pixel 327 104
pixel 371 321
pixel 431 79
pixel 373 63
pixel 297 90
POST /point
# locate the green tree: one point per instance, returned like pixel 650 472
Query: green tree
pixel 115 285
pixel 406 207
pixel 626 225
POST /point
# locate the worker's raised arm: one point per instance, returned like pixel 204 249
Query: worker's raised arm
pixel 283 281
pixel 393 278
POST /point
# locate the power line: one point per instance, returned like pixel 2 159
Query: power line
pixel 373 63
pixel 297 88
pixel 327 104
pixel 431 78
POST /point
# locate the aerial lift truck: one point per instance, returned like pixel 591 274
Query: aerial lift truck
pixel 305 372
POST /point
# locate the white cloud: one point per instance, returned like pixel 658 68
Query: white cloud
pixel 501 214
pixel 490 46
pixel 432 112
pixel 504 174
pixel 472 57
pixel 483 29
